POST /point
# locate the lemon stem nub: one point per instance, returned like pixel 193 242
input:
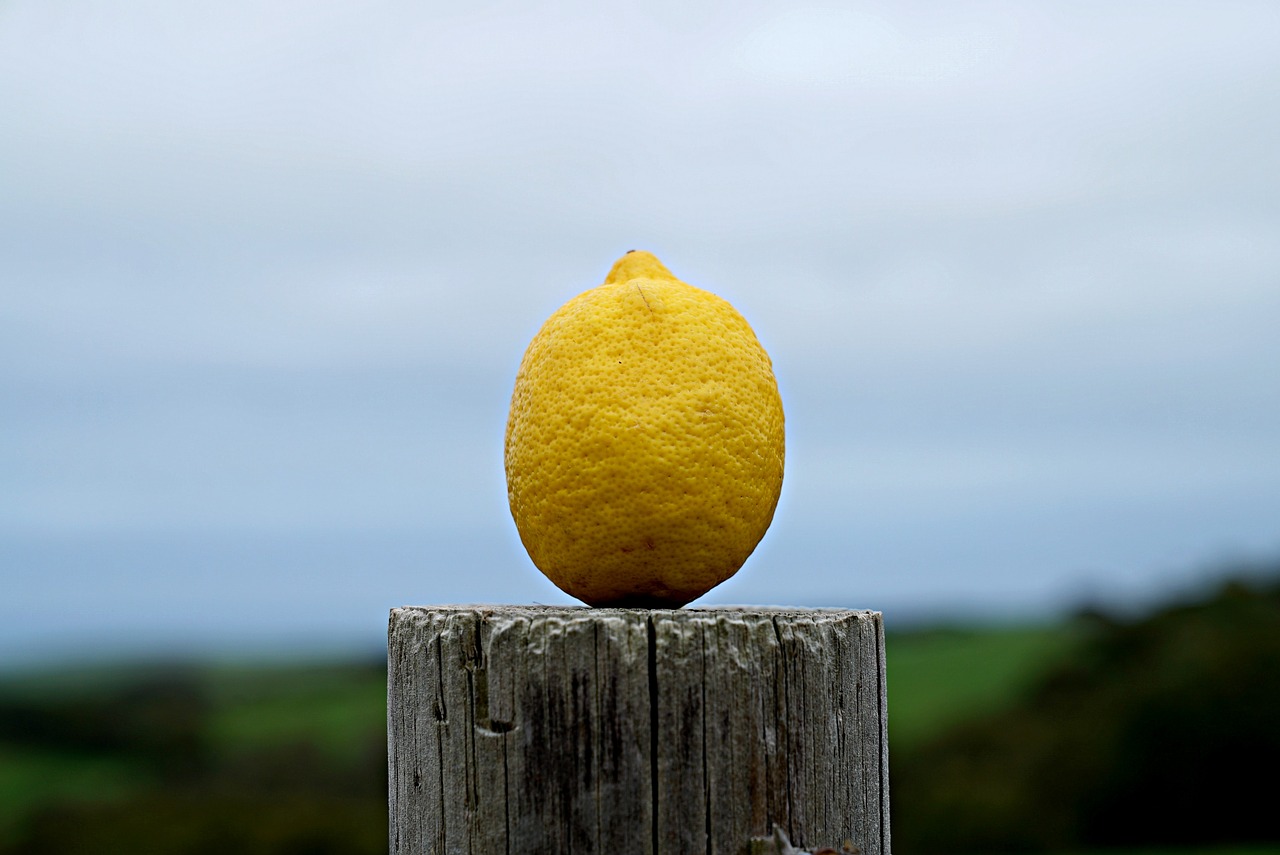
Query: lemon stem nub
pixel 637 264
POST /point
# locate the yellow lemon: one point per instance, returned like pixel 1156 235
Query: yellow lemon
pixel 644 448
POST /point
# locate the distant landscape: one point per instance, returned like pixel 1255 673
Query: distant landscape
pixel 1091 733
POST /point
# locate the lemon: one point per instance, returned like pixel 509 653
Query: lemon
pixel 644 448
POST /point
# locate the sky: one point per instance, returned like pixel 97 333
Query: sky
pixel 267 271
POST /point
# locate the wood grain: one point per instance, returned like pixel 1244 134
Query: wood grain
pixel 522 729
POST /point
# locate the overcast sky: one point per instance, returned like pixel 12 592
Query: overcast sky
pixel 267 271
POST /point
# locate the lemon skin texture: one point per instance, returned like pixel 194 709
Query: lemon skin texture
pixel 645 444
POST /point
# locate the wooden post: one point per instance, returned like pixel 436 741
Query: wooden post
pixel 663 732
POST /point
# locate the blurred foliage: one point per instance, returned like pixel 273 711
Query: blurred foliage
pixel 195 760
pixel 1158 731
pixel 1101 732
pixel 945 675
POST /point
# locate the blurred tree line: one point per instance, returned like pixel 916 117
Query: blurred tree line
pixel 1160 731
pixel 190 792
pixel 1155 731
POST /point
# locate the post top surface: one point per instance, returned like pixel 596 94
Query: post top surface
pixel 692 613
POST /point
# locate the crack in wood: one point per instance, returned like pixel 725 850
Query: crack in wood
pixel 706 772
pixel 784 735
pixel 653 732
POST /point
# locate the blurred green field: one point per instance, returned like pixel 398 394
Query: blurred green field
pixel 939 677
pixel 88 747
pixel 89 757
pixel 33 778
pixel 332 706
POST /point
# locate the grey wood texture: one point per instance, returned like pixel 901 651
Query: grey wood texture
pixel 521 729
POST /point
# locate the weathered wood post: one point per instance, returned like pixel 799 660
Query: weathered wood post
pixel 664 732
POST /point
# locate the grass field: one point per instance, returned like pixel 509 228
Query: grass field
pixel 336 711
pixel 333 706
pixel 244 712
pixel 939 677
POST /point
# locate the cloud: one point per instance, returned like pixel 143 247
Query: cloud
pixel 272 267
